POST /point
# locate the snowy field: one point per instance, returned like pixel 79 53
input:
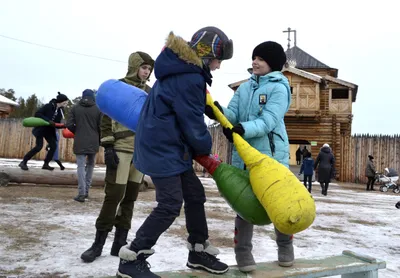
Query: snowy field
pixel 43 231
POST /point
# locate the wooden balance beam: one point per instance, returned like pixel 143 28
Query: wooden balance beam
pixel 348 265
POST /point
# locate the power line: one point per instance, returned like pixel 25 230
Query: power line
pixel 63 50
pixel 87 55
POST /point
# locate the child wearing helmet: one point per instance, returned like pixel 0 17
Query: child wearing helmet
pixel 170 132
pixel 256 112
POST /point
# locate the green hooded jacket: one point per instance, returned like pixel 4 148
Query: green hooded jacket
pixel 113 133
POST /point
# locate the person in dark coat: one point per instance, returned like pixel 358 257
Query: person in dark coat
pixel 299 153
pixel 308 168
pixel 84 121
pixel 171 131
pixel 325 163
pixel 370 173
pixel 52 113
pixel 305 152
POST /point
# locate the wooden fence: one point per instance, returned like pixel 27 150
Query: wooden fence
pixel 355 149
pixel 16 141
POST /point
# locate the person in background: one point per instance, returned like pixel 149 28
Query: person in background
pixel 170 132
pixel 123 180
pixel 325 163
pixel 305 152
pixel 308 168
pixel 257 112
pixel 84 121
pixel 370 172
pixel 299 154
pixel 52 113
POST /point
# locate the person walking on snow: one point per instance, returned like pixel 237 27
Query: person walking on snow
pixel 308 168
pixel 370 173
pixel 325 163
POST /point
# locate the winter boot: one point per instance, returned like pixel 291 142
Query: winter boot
pixel 80 198
pixel 46 166
pixel 60 164
pixel 199 258
pixel 326 189
pixel 243 245
pixel 119 240
pixel 132 264
pixel 97 247
pixel 23 165
pixel 285 248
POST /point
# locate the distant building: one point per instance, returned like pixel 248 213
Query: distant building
pixel 6 106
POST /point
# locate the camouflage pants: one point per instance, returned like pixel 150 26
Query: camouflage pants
pixel 121 191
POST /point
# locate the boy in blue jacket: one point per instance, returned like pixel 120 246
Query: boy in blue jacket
pixel 256 112
pixel 308 168
pixel 170 132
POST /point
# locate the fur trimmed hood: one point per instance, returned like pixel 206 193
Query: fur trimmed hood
pixel 181 48
pixel 178 58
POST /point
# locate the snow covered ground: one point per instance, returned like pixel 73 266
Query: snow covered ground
pixel 43 231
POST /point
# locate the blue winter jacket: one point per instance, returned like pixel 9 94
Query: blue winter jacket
pixel 171 127
pixel 260 105
pixel 307 166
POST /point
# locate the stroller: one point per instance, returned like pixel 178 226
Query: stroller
pixel 388 180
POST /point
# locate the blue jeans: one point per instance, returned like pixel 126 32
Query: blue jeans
pixel 85 172
pixel 170 194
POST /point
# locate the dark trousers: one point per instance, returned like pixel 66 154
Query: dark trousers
pixel 308 179
pixel 170 194
pixel 298 162
pixel 324 187
pixel 370 183
pixel 51 140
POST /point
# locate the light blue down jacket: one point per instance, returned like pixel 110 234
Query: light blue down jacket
pixel 260 105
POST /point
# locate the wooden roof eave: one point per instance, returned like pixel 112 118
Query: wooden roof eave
pixel 302 73
pixel 352 86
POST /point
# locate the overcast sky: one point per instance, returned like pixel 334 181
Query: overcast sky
pixel 361 39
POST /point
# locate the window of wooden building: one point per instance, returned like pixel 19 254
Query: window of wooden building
pixel 340 93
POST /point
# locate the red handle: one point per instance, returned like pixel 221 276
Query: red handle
pixel 210 162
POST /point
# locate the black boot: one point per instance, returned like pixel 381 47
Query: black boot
pixel 60 164
pixel 119 240
pixel 97 247
pixel 200 259
pixel 132 264
pixel 23 165
pixel 46 166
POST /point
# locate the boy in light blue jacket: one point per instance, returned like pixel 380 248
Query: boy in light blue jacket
pixel 256 111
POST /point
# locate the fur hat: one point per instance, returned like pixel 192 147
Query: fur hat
pixel 61 98
pixel 211 43
pixel 88 93
pixel 272 53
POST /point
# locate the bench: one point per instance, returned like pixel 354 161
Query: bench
pixel 348 264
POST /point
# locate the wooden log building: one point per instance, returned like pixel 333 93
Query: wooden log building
pixel 321 107
pixel 6 106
